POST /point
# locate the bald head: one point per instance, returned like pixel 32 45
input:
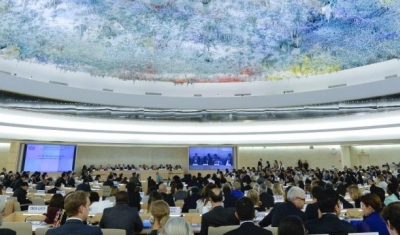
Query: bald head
pixel 162 188
pixel 216 195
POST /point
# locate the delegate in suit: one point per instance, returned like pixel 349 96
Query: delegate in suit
pixel 122 216
pixel 329 223
pixel 76 206
pixel 245 213
pixel 218 215
pixel 295 202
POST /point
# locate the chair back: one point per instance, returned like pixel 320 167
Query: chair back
pixel 15 199
pixel 41 231
pixel 106 191
pixel 9 207
pixel 112 231
pixel 221 230
pixel 17 207
pixel 179 203
pixel 21 228
pixel 355 213
pixel 274 230
pixel 38 201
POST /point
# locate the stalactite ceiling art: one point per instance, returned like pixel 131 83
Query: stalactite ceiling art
pixel 200 41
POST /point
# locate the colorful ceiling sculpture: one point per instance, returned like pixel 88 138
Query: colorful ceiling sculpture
pixel 192 41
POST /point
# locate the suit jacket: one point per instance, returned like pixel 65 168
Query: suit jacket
pixel 281 211
pixel 108 183
pixel 122 216
pixel 6 231
pixel 249 228
pixel 71 182
pixel 190 202
pixel 53 190
pixel 76 227
pixel 20 194
pixel 134 200
pixel 61 180
pixel 331 224
pixel 135 180
pixel 168 199
pixel 83 187
pixel 218 216
pixel 346 204
pixel 267 201
pixel 17 184
pixel 229 200
pixel 40 186
pixel 312 211
pixel 180 195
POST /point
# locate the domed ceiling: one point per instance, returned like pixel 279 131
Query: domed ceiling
pixel 200 41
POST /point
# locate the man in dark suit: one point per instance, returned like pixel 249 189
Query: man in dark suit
pixel 267 200
pixel 312 208
pixel 122 216
pixel 328 203
pixel 245 213
pixel 85 186
pixel 168 198
pixel 218 215
pixel 71 180
pixel 76 206
pixel 57 187
pixel 20 194
pixel 109 181
pixel 295 202
pixel 24 178
pixel 190 202
pixel 135 179
pixel 63 179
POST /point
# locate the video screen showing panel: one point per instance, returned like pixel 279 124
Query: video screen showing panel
pixel 211 158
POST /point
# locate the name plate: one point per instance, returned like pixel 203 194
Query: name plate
pixel 37 209
pixel 175 210
pixel 61 192
pixel 41 192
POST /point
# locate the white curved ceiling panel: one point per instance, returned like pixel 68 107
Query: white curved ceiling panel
pixel 61 92
pixel 16 125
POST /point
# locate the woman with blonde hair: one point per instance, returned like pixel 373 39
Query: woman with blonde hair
pixel 382 183
pixel 253 196
pixel 355 194
pixel 159 211
pixel 277 189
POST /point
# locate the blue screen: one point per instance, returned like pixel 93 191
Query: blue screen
pixel 210 158
pixel 48 158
